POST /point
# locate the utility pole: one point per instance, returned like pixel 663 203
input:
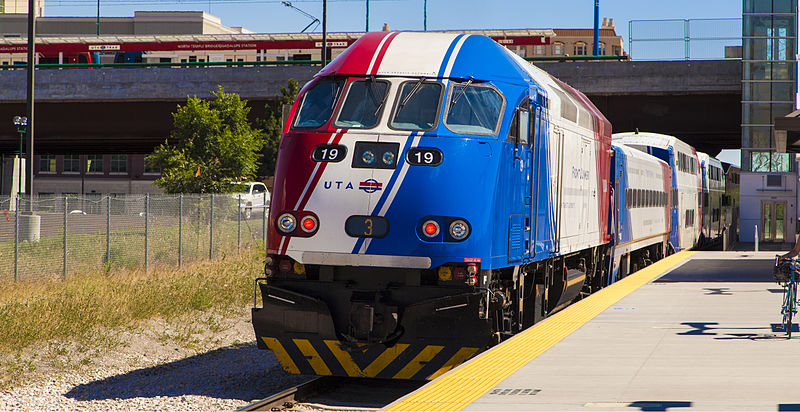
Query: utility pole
pixel 425 16
pixel 596 47
pixel 29 97
pixel 366 27
pixel 98 17
pixel 324 33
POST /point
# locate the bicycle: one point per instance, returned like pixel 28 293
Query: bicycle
pixel 785 273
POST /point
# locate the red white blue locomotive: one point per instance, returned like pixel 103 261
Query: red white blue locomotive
pixel 434 195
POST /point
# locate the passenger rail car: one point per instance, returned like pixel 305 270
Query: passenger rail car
pixel 642 217
pixel 686 182
pixel 713 180
pixel 434 195
pixel 730 201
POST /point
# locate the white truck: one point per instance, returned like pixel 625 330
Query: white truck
pixel 254 198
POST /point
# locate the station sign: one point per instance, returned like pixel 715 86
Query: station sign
pixel 104 47
pixel 332 44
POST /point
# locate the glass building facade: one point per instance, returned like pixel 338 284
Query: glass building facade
pixel 769 29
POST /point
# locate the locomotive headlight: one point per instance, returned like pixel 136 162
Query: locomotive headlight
pixel 287 223
pixel 430 228
pixel 459 230
pixel 368 157
pixel 388 158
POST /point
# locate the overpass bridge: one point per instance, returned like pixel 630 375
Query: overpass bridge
pixel 129 110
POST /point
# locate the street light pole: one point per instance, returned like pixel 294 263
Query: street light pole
pixel 425 16
pixel 324 33
pixel 596 45
pixel 29 97
pixel 366 26
pixel 21 123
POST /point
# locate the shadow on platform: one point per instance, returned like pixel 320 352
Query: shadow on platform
pixel 721 270
pixel 732 333
pixel 659 405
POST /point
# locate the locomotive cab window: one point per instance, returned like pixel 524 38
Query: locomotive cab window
pixel 363 104
pixel 417 106
pixel 474 109
pixel 318 103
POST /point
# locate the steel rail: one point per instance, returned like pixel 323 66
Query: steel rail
pixel 287 398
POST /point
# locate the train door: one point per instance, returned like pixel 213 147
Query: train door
pixel 519 245
pixel 542 210
pixel 773 221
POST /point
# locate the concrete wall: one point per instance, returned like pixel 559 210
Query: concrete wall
pixel 143 22
pixel 150 84
pixel 61 185
pixel 153 84
pixel 652 78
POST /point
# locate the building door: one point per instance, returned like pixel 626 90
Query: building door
pixel 773 221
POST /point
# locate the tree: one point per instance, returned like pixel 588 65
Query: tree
pixel 273 126
pixel 212 145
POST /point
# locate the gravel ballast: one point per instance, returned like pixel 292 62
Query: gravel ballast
pixel 159 366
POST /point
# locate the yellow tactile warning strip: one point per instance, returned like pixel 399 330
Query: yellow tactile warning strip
pixel 463 385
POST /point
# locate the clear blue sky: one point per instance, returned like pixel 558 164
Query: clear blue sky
pixel 270 16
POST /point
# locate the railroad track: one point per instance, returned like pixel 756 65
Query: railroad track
pixel 337 393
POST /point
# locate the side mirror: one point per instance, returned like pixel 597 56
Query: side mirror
pixel 524 125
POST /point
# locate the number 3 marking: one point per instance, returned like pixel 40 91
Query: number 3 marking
pixel 368 232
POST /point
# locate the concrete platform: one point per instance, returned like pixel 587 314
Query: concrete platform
pixel 699 337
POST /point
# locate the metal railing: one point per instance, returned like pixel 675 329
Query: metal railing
pixel 693 39
pixel 59 236
pixel 161 64
pixel 573 58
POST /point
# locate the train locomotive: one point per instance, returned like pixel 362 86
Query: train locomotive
pixel 436 194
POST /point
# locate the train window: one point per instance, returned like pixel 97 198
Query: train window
pixel 474 109
pixel 318 103
pixel 363 104
pixel 417 106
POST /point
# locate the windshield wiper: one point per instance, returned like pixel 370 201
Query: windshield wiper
pixel 417 85
pixel 373 93
pixel 336 91
pixel 462 91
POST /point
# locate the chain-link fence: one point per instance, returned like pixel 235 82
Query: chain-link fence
pixel 694 39
pixel 57 236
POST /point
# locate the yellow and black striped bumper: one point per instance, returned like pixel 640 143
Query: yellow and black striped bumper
pixel 332 357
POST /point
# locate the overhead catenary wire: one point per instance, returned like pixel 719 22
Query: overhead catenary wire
pixel 60 3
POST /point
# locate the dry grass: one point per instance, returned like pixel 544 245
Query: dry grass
pixel 75 309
